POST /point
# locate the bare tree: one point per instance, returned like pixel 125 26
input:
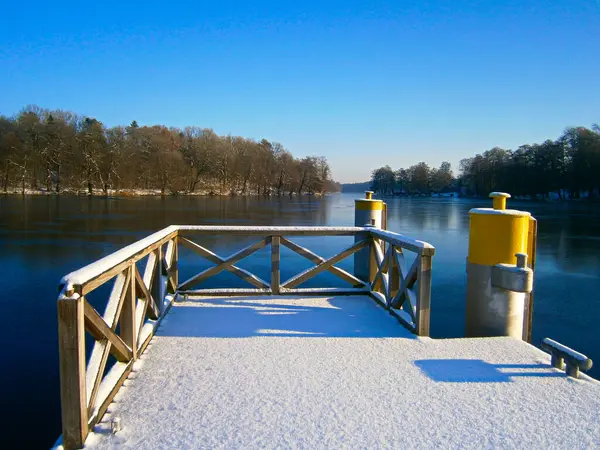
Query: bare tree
pixel 61 150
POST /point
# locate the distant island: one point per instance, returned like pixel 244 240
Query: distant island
pixel 356 187
pixel 53 152
pixel 565 168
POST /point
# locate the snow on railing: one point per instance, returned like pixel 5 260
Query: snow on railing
pixel 138 301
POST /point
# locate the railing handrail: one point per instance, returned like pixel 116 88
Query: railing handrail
pixel 138 249
pixel 400 240
pixel 93 270
pixel 270 230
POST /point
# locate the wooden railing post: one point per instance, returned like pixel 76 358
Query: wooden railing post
pixel 174 269
pixel 156 287
pixel 372 260
pixel 423 295
pixel 275 262
pixel 394 272
pixel 71 343
pixel 127 323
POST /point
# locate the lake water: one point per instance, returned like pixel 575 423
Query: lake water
pixel 44 238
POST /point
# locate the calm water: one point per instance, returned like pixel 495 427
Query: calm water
pixel 43 238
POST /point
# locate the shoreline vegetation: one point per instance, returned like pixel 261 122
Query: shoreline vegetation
pixel 54 151
pixel 12 191
pixel 566 168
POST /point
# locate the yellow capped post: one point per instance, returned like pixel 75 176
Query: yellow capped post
pixel 498 283
pixel 497 234
pixel 367 212
pixel 499 199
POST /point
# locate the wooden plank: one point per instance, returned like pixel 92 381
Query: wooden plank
pixel 71 345
pixel 174 265
pixel 406 283
pixel 245 252
pixel 373 266
pixel 191 230
pixel 267 292
pixel 399 240
pixel 98 328
pixel 164 287
pixel 423 295
pixel 275 269
pixel 169 253
pixel 95 371
pixel 157 286
pixel 394 276
pixel 115 300
pixel 385 277
pixel 308 274
pixel 400 261
pixel 372 263
pixel 410 305
pixel 100 409
pixel 140 316
pixel 127 325
pixel 151 303
pixel 316 259
pixel 224 292
pixel 216 259
pixel 327 291
pixel 170 268
pixel 150 268
pixel 380 283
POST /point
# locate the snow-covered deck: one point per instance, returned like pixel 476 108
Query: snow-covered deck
pixel 333 372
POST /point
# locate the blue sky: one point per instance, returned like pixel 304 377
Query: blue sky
pixel 362 84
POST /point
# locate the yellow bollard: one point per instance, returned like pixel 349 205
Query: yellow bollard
pixel 497 235
pixel 498 280
pixel 367 212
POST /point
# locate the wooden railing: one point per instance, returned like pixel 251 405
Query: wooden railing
pixel 140 299
pixel 401 285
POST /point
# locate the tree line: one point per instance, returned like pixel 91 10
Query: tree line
pixel 567 166
pixel 417 179
pixel 59 151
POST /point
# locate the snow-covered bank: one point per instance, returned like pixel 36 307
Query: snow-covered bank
pixel 142 193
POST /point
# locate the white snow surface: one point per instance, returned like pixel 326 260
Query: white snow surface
pixel 339 372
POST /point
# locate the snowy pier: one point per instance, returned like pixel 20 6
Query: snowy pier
pixel 281 366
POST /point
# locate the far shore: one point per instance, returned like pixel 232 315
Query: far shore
pixel 149 193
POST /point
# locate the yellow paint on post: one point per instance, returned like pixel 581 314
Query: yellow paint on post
pixel 496 235
pixel 368 205
pixel 499 199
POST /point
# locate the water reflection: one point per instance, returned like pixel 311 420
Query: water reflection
pixel 43 238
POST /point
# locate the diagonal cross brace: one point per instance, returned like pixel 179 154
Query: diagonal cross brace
pixel 227 264
pixel 382 267
pixel 308 274
pixel 316 259
pixel 407 283
pixel 216 259
pixel 151 303
pixel 97 327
